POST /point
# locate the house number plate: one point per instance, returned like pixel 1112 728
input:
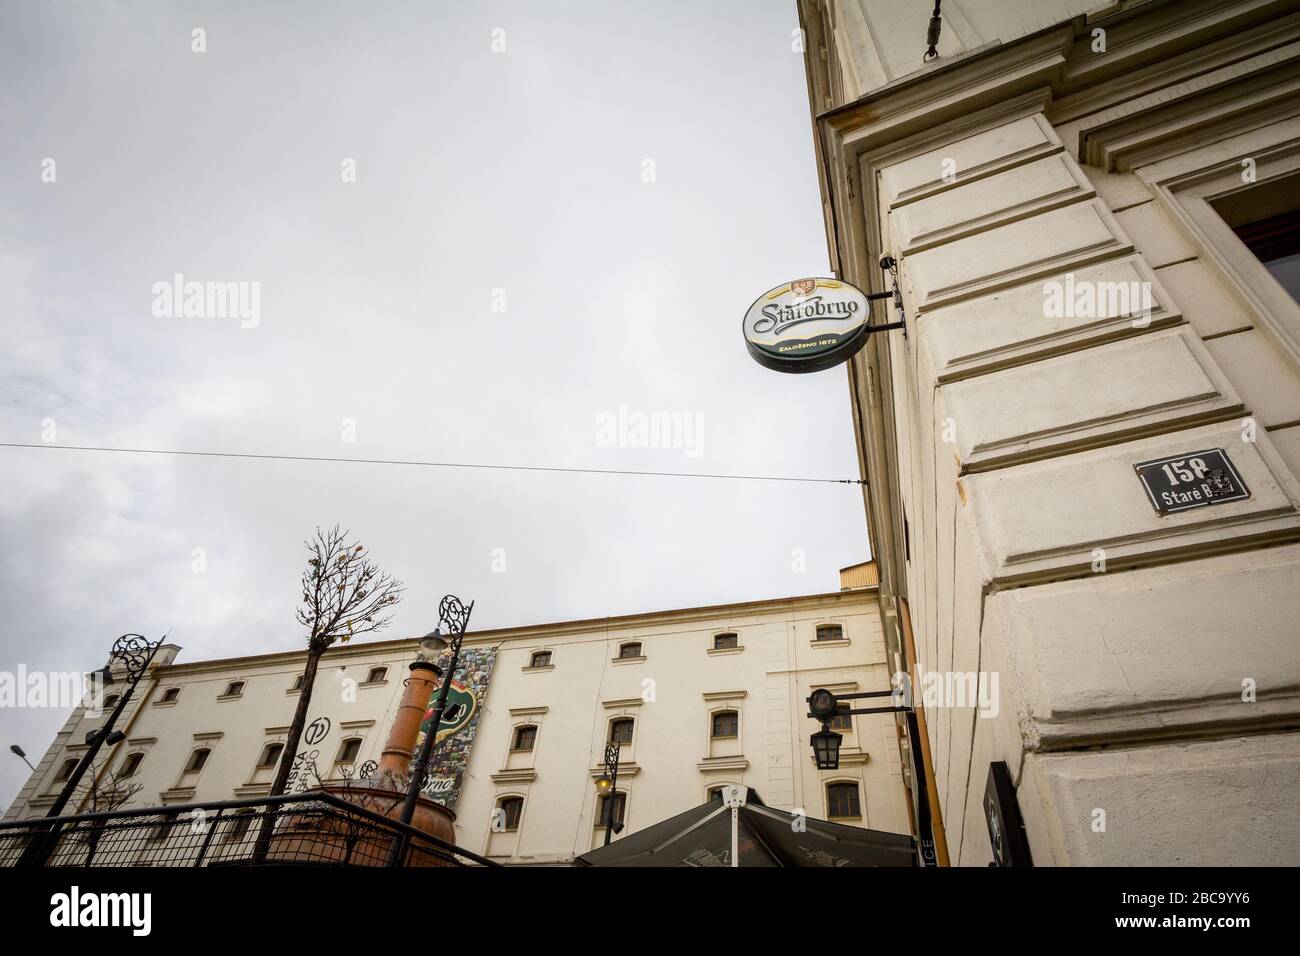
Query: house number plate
pixel 1194 480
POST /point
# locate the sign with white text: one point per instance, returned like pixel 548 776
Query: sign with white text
pixel 1193 480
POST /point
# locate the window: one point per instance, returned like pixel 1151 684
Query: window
pixel 238 827
pixel 348 750
pixel 620 731
pixel 1269 229
pixel 170 694
pixel 830 632
pixel 111 701
pixel 163 828
pixel 65 771
pixel 270 756
pixel 512 808
pixel 377 675
pixel 540 659
pixel 842 800
pixel 130 765
pixel 525 738
pixel 842 720
pixel 234 689
pixel 619 804
pixel 722 642
pixel 630 650
pixel 726 723
pixel 715 793
pixel 297 683
pixel 197 760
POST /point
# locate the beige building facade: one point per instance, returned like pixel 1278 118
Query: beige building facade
pixel 1092 213
pixel 697 699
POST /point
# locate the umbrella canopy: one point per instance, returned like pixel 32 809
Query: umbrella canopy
pixel 702 837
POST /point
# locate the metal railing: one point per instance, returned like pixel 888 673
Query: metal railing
pixel 305 829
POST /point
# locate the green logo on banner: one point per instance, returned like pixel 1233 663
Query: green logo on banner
pixel 461 705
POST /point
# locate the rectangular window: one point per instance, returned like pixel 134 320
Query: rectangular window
pixel 842 720
pixel 726 724
pixel 842 800
pixel 619 806
pixel 830 632
pixel 620 732
pixel 724 641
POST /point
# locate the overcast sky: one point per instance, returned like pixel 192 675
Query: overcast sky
pixel 624 177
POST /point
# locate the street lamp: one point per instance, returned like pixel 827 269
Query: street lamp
pixel 135 653
pixel 823 706
pixel 607 788
pixel 453 616
pixel 826 749
pixel 22 754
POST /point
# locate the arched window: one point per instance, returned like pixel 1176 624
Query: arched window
pixel 525 738
pixel 830 632
pixel 377 675
pixel 722 642
pixel 270 756
pixel 726 723
pixel 111 701
pixel 198 759
pixel 629 651
pixel 234 689
pixel 512 808
pixel 65 771
pixel 170 694
pixel 842 800
pixel 540 659
pixel 620 730
pixel 349 748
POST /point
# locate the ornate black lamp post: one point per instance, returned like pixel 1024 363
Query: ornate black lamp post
pixel 607 787
pixel 135 653
pixel 453 616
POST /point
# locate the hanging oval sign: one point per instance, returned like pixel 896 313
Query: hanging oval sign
pixel 807 325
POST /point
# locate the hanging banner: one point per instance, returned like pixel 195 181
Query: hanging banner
pixel 807 325
pixel 458 726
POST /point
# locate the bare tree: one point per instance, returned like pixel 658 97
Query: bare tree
pixel 343 595
pixel 107 790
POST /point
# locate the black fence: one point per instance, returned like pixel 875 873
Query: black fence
pixel 304 829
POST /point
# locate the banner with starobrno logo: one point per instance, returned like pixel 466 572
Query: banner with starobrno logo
pixel 458 726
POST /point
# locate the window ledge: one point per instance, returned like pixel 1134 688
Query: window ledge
pixel 294 691
pixel 164 703
pixel 373 683
pixel 737 762
pixel 726 650
pixel 519 775
pixel 530 669
pixel 229 696
pixel 628 660
pixel 839 642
